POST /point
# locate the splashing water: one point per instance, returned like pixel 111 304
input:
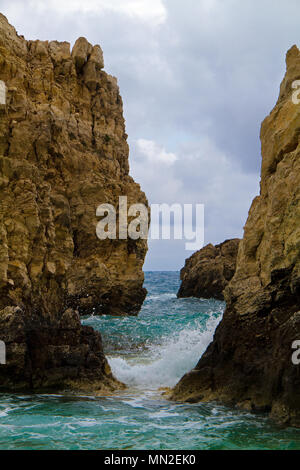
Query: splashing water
pixel 164 364
pixel 164 342
pixel 146 352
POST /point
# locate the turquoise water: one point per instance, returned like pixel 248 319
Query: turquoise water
pixel 147 352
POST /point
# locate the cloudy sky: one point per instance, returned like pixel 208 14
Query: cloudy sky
pixel 197 78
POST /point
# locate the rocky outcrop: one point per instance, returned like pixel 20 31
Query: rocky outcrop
pixel 207 272
pixel 249 362
pixel 63 152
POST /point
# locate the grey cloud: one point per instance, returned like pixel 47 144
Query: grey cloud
pixel 210 73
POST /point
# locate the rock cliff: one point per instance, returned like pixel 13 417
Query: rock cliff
pixel 207 272
pixel 249 362
pixel 63 152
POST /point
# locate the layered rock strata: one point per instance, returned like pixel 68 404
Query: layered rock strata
pixel 63 152
pixel 249 362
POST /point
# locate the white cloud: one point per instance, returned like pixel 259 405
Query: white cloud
pixel 152 166
pixel 146 10
pixel 155 153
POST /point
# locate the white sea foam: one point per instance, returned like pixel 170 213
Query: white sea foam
pixel 165 296
pixel 165 364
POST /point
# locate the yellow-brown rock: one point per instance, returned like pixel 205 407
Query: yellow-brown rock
pixel 249 362
pixel 63 152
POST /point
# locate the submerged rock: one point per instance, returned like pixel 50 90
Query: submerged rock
pixel 249 362
pixel 207 272
pixel 63 152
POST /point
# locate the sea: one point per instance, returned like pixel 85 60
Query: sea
pixel 148 353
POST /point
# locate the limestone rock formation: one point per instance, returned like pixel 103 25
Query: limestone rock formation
pixel 63 152
pixel 249 362
pixel 207 272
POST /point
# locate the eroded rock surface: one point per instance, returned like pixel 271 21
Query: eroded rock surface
pixel 207 272
pixel 63 152
pixel 249 362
